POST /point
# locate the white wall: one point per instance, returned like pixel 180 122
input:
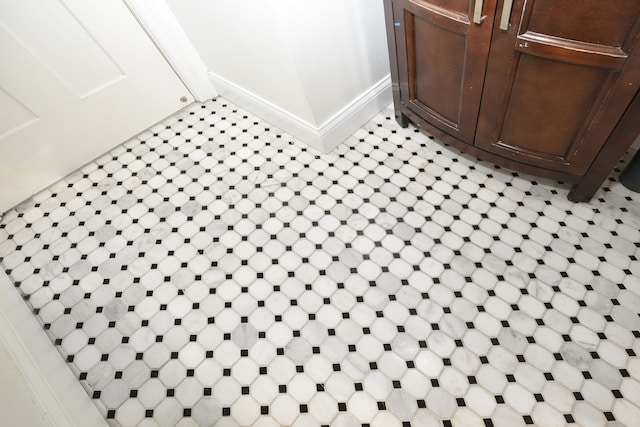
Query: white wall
pixel 339 48
pixel 316 68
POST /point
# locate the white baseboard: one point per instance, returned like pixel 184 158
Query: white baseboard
pixel 346 121
pixel 264 109
pixel 55 390
pixel 323 138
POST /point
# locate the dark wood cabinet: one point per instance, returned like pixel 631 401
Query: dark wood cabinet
pixel 538 86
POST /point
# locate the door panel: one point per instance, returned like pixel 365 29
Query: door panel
pixel 78 78
pixel 553 92
pixel 438 73
pixel 606 23
pixel 571 89
pixel 442 60
pixel 14 114
pixel 40 90
pixel 73 54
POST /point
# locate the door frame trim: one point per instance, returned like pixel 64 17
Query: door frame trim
pixel 164 30
pixel 56 392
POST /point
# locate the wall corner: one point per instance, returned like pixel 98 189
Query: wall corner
pixel 348 120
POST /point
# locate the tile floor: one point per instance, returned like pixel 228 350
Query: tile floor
pixel 214 271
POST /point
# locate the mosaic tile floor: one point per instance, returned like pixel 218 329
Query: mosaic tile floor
pixel 213 271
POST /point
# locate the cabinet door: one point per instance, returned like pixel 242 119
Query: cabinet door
pixel 442 57
pixel 558 80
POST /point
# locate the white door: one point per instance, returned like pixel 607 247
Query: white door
pixel 77 77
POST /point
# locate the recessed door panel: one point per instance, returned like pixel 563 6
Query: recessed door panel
pixel 15 115
pixel 442 58
pixel 553 90
pixel 78 77
pixel 567 91
pixel 594 21
pixel 28 79
pixel 440 86
pixel 73 55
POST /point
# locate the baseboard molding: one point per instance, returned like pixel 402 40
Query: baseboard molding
pixel 273 114
pixel 323 138
pixel 55 390
pixel 344 123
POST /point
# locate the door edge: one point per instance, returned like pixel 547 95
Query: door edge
pixel 159 22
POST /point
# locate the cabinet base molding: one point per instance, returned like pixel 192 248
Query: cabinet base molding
pixel 583 187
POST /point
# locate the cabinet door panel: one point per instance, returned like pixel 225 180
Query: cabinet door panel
pixel 600 22
pixel 555 87
pixel 570 89
pixel 442 58
pixel 438 87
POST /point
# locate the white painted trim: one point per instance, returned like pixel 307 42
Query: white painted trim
pixel 324 138
pixel 167 34
pixel 264 109
pixel 346 121
pixel 56 391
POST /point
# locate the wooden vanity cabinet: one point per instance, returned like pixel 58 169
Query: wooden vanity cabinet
pixel 538 86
